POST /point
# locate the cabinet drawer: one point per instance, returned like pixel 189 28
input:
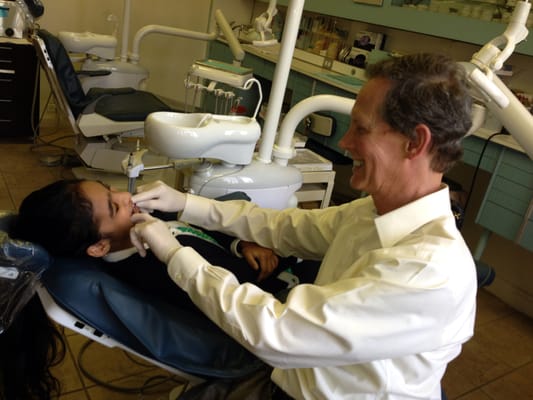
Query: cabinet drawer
pixel 7 85
pixel 507 203
pixel 7 52
pixel 500 220
pixel 7 109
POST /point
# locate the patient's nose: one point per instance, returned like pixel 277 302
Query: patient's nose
pixel 123 197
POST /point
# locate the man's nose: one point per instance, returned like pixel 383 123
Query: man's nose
pixel 343 141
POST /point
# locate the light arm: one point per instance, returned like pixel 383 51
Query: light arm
pixel 238 52
pixel 488 89
pixel 264 21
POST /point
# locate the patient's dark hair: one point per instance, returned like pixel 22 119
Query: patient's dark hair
pixel 29 348
pixel 59 218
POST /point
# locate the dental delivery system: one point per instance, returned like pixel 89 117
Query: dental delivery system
pixel 269 183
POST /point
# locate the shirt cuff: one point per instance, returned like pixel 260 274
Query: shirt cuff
pixel 234 247
pixel 196 208
pixel 184 265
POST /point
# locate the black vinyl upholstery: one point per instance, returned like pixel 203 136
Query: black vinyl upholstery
pixel 117 104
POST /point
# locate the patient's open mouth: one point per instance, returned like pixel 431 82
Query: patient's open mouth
pixel 135 210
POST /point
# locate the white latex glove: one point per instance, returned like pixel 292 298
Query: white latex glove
pixel 156 234
pixel 158 196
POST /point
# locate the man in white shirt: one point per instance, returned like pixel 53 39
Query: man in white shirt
pixel 394 299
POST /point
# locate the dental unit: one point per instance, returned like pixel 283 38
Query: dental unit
pixel 100 137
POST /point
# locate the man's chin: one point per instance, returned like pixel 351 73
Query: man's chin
pixel 356 184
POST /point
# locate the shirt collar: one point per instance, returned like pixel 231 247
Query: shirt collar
pixel 397 224
pixel 119 255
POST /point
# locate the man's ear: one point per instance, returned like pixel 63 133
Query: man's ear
pixel 421 141
pixel 99 249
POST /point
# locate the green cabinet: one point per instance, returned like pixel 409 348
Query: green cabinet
pixel 507 206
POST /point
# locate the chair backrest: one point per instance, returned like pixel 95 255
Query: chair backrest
pixel 47 65
pixel 60 72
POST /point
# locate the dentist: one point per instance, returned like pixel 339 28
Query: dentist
pixel 394 299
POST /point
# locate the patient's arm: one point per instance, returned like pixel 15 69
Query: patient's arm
pixel 260 258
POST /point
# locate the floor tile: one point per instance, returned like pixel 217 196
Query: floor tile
pixel 475 395
pixel 68 374
pixel 6 203
pixel 474 367
pixel 156 388
pixel 516 385
pixel 508 340
pixel 77 395
pixel 490 308
pixel 104 363
pixel 502 342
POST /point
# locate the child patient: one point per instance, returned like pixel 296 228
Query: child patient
pixel 79 218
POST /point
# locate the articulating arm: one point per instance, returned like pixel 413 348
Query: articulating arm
pixel 488 89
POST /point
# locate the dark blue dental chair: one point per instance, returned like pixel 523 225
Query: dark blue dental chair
pixel 80 295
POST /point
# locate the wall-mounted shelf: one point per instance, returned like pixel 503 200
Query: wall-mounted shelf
pixel 443 25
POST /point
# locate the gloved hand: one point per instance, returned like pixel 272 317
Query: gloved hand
pixel 158 196
pixel 156 234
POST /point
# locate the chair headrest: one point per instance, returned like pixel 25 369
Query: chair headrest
pixel 21 265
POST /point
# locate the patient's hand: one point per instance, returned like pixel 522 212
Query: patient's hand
pixel 259 258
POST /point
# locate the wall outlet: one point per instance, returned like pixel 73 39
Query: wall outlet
pixel 322 124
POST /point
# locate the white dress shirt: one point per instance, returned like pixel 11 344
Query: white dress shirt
pixel 392 303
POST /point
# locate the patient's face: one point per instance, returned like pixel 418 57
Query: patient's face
pixel 112 211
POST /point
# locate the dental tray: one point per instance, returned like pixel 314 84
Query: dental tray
pixel 221 72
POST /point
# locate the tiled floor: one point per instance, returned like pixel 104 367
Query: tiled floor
pixel 497 364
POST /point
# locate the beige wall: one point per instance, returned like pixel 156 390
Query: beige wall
pixel 166 58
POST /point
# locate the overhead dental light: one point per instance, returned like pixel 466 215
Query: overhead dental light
pixel 260 33
pixel 490 91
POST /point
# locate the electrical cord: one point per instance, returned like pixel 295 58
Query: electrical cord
pixel 478 165
pixel 65 153
pixel 149 384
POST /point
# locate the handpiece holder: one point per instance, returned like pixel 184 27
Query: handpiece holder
pixel 489 90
